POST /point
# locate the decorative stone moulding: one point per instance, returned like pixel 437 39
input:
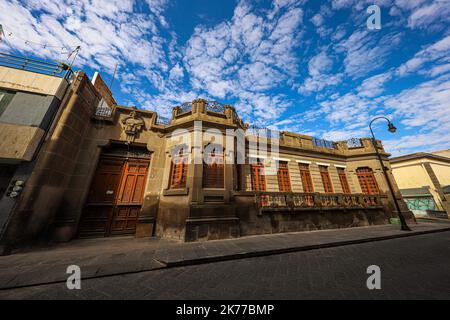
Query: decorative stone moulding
pixel 133 125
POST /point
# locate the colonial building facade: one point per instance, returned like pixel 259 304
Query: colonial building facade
pixel 87 167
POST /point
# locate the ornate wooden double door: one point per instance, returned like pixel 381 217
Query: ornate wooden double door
pixel 115 197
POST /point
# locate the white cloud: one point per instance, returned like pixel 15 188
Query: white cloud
pixel 247 56
pixel 365 52
pixel 319 68
pixel 429 14
pixel 108 32
pixel 432 53
pixel 374 85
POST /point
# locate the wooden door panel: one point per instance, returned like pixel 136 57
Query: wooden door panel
pixel 133 186
pixel 95 221
pixel 106 182
pixel 125 219
pixel 139 189
pixel 115 198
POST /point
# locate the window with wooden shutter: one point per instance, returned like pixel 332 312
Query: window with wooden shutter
pixel 344 181
pixel 367 181
pixel 328 187
pixel 178 173
pixel 258 176
pixel 306 177
pixel 213 171
pixel 284 183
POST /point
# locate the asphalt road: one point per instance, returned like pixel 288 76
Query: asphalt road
pixel 411 268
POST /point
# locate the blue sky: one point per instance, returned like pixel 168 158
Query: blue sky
pixel 306 66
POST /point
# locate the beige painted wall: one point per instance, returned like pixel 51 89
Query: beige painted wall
pixel 21 80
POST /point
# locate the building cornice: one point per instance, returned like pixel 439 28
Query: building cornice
pixel 419 155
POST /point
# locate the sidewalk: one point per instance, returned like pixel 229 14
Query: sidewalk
pixel 115 256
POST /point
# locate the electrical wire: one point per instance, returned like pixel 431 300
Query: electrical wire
pixel 70 50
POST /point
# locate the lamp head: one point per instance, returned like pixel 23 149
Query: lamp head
pixel 391 127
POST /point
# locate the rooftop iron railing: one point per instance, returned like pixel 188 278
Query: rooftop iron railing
pixel 163 120
pixel 322 143
pixel 103 110
pixel 57 69
pixel 214 106
pixel 263 132
pixel 185 107
pixel 354 143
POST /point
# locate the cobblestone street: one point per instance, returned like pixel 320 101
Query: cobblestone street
pixel 416 267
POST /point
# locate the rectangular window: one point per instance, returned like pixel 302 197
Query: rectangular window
pixel 326 179
pixel 5 99
pixel 306 177
pixel 367 181
pixel 258 176
pixel 213 171
pixel 178 174
pixel 284 183
pixel 344 181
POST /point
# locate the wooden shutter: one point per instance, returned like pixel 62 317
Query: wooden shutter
pixel 213 171
pixel 328 187
pixel 178 173
pixel 367 181
pixel 306 177
pixel 284 182
pixel 344 181
pixel 258 177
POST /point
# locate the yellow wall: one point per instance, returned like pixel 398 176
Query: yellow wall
pixel 442 172
pixel 412 174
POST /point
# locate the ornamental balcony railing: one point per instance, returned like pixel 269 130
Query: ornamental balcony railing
pixel 282 201
pixel 354 143
pixel 322 143
pixel 103 110
pixel 164 121
pixel 263 132
pixel 214 106
pixel 185 107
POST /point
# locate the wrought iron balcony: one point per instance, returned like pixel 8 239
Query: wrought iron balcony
pixel 282 201
pixel 354 143
pixel 163 121
pixel 322 143
pixel 185 107
pixel 214 106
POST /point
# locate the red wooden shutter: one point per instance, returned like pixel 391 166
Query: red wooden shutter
pixel 328 187
pixel 258 178
pixel 306 177
pixel 367 181
pixel 284 182
pixel 344 181
pixel 213 171
pixel 178 175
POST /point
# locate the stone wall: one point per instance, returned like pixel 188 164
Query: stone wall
pixel 50 172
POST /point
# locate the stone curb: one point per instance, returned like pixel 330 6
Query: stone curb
pixel 262 253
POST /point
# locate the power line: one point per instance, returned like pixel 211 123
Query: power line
pixel 70 50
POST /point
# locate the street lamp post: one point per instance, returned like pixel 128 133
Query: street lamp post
pixel 392 129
